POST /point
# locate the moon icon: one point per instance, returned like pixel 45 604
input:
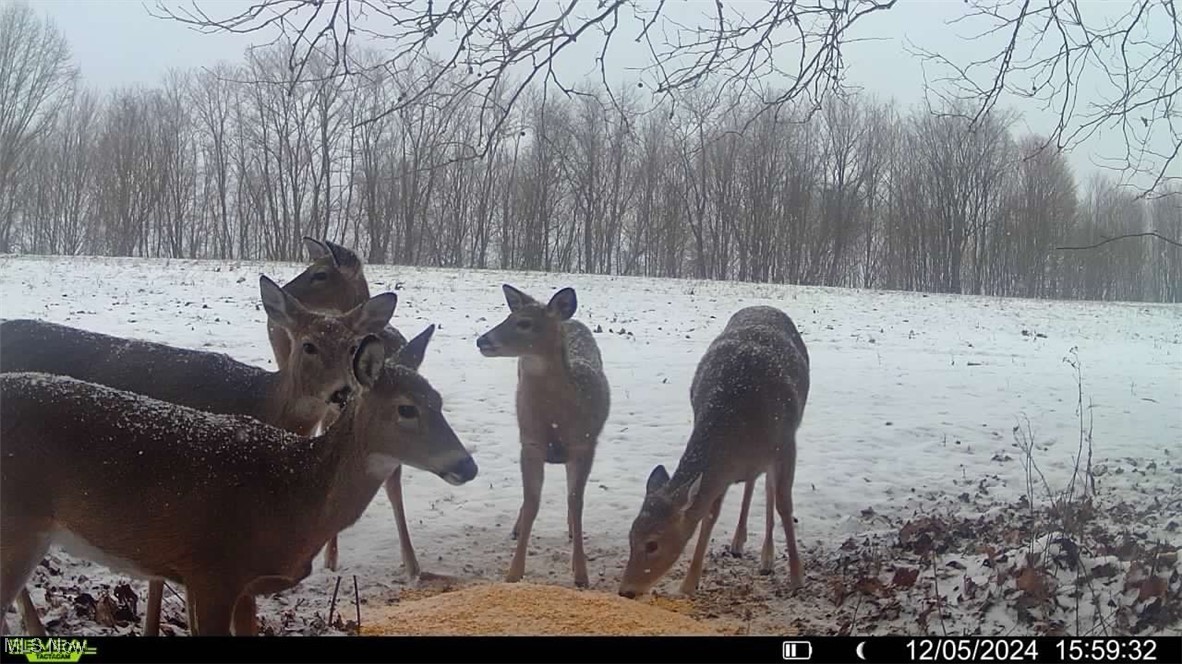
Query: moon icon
pixel 858 650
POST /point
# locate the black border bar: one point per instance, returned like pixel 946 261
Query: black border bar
pixel 614 650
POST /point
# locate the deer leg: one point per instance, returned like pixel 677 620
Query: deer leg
pixel 28 611
pixel 24 546
pixel 690 583
pixel 785 474
pixel 245 619
pixel 191 613
pixel 767 556
pixel 394 493
pixel 152 610
pixel 578 469
pixel 532 474
pixel 331 552
pixel 213 608
pixel 740 539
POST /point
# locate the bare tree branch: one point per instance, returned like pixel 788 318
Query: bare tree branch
pixel 1095 67
pixel 1123 237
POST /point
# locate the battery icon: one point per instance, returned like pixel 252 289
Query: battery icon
pixel 798 650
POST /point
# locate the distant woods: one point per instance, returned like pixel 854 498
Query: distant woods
pixel 240 161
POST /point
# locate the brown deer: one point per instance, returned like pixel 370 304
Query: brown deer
pixel 748 397
pixel 296 398
pixel 563 400
pixel 335 282
pixel 225 505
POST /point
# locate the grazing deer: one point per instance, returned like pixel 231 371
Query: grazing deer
pixel 748 397
pixel 225 505
pixel 563 400
pixel 335 282
pixel 296 398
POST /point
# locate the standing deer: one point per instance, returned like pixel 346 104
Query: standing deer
pixel 748 397
pixel 225 505
pixel 563 400
pixel 296 398
pixel 335 282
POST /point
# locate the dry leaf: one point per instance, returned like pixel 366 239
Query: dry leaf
pixel 905 577
pixel 1154 586
pixel 1031 583
pixel 869 585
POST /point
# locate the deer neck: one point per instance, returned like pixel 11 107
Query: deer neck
pixel 547 364
pixel 352 478
pixel 699 456
pixel 285 408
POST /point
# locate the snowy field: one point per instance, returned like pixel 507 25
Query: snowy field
pixel 914 397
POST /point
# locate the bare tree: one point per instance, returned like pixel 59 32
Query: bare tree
pixel 35 77
pixel 1099 67
pixel 495 42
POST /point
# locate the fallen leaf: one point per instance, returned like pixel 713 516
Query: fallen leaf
pixel 905 577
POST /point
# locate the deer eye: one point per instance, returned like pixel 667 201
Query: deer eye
pixel 352 349
pixel 525 324
pixel 310 349
pixel 319 276
pixel 651 547
pixel 408 412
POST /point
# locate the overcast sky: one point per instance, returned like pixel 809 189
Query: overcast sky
pixel 117 43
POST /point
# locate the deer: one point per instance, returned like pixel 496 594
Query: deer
pixel 335 282
pixel 306 391
pixel 223 504
pixel 748 397
pixel 563 399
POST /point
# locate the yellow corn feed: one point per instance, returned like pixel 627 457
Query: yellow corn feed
pixel 524 609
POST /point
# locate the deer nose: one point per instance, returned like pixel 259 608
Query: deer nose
pixel 483 343
pixel 630 594
pixel 461 473
pixel 341 396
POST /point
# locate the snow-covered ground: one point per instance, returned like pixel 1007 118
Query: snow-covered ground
pixel 913 397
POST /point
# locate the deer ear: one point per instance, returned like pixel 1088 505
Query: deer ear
pixel 564 303
pixel 344 258
pixel 283 309
pixel 691 494
pixel 316 249
pixel 374 314
pixel 411 355
pixel 368 360
pixel 515 298
pixel 656 479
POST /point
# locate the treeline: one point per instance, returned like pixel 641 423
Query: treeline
pixel 241 161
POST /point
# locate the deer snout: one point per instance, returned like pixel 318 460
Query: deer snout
pixel 486 345
pixel 462 472
pixel 630 594
pixel 341 396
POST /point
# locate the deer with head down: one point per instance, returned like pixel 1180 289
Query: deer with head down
pixel 563 400
pixel 226 505
pixel 748 397
pixel 309 388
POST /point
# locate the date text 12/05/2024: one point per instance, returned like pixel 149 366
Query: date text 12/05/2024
pixel 1032 650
